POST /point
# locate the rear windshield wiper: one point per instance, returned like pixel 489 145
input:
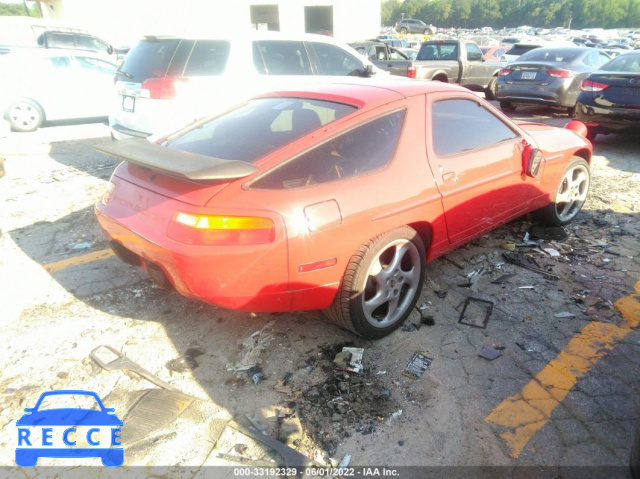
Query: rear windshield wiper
pixel 124 74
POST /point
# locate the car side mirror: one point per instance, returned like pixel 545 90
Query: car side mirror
pixel 368 71
pixel 110 50
pixel 533 161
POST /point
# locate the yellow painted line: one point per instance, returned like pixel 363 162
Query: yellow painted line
pixel 525 413
pixel 53 268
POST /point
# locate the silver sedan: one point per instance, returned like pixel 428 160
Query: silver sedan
pixel 547 76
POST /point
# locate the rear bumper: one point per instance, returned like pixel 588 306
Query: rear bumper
pixel 536 95
pixel 606 120
pixel 246 278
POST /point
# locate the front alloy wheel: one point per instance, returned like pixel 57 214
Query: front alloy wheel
pixel 570 195
pixel 381 285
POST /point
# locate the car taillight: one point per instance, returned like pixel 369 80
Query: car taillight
pixel 160 88
pixel 504 72
pixel 590 85
pixel 560 73
pixel 411 71
pixel 220 230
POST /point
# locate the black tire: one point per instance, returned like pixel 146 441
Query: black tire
pixel 507 107
pixel 591 135
pixel 24 115
pixel 571 111
pixel 573 187
pixel 374 299
pixel 490 92
pixel 404 31
pixel 427 31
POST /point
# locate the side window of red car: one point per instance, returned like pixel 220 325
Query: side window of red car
pixel 463 125
pixel 365 148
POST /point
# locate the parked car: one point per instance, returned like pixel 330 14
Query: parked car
pixel 494 54
pixel 384 57
pixel 518 49
pixel 165 83
pixel 269 207
pixel 17 33
pixel 411 25
pixel 609 98
pixel 40 85
pixel 456 61
pixel 547 76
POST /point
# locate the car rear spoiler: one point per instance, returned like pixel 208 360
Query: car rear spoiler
pixel 178 163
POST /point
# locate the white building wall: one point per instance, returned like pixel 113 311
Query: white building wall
pixel 123 21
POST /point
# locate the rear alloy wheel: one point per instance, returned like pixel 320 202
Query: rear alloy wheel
pixel 570 195
pixel 25 116
pixel 507 107
pixel 381 284
pixel 490 92
pixel 427 31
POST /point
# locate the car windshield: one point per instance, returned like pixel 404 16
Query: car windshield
pixel 624 63
pixel 549 55
pixel 259 127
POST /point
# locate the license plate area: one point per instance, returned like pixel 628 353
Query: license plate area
pixel 128 103
pixel 528 76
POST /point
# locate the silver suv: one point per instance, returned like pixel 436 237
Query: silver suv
pixel 410 25
pixel 164 83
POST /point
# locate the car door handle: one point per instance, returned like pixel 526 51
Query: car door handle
pixel 450 177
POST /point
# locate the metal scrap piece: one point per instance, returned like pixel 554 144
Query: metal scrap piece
pixel 468 301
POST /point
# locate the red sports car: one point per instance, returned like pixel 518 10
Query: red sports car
pixel 334 196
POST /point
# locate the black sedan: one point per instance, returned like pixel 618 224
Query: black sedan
pixel 609 100
pixel 547 76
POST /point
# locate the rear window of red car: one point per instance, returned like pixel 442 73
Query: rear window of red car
pixel 363 149
pixel 259 127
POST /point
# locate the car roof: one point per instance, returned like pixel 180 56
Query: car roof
pixel 247 37
pixel 38 52
pixel 366 93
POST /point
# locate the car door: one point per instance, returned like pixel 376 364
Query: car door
pixel 476 159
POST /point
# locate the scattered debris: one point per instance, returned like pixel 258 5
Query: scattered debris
pixel 82 246
pixel 490 353
pixel 428 321
pixel 182 364
pixel 449 260
pixel 557 233
pixel 256 423
pixel 122 362
pixel 509 245
pixel 253 346
pixel 441 294
pixel 565 314
pixel 467 318
pixel 554 253
pixel 528 263
pixel 410 327
pixel 503 279
pixel 417 365
pixel 346 460
pixel 256 374
pixel 349 359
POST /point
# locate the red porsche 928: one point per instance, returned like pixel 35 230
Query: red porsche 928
pixel 334 196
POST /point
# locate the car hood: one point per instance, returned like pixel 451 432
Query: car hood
pixel 69 417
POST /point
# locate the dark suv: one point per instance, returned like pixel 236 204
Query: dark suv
pixel 166 82
pixel 410 25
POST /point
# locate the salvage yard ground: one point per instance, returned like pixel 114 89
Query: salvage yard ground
pixel 563 391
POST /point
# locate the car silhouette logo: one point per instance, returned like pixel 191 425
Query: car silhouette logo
pixel 69 432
